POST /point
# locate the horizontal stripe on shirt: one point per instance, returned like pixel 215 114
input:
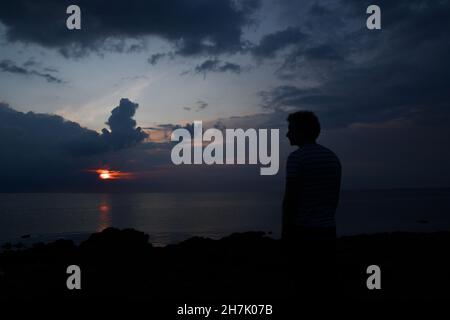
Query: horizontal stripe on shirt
pixel 315 171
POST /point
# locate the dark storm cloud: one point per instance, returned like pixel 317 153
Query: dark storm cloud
pixel 381 96
pixel 374 76
pixel 34 133
pixel 215 65
pixel 38 126
pixel 192 26
pixel 35 149
pixel 301 51
pixel 10 67
pixel 41 151
pixel 123 131
pixel 44 131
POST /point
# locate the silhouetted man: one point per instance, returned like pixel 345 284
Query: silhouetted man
pixel 313 178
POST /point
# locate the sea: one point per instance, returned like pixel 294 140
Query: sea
pixel 28 218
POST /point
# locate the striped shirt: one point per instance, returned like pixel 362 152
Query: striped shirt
pixel 313 174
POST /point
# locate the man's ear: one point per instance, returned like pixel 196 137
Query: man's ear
pixel 298 133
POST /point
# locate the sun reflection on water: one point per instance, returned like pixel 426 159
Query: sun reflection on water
pixel 104 213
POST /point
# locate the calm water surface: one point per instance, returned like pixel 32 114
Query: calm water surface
pixel 172 217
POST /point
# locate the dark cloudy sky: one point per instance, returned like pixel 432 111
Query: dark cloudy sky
pixel 382 96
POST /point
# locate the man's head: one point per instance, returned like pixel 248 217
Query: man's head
pixel 304 127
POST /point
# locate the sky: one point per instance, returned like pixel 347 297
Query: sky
pixel 381 95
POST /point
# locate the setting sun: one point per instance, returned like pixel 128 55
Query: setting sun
pixel 105 175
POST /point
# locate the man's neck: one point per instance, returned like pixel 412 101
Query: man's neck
pixel 306 143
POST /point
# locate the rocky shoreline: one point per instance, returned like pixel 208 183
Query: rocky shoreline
pixel 246 266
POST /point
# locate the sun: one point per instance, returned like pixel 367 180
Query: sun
pixel 105 175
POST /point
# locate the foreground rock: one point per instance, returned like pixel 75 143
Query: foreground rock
pixel 122 263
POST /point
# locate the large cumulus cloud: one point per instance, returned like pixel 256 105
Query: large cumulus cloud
pixel 123 131
pixel 41 151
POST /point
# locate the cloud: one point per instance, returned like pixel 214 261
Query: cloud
pixel 382 97
pixel 285 97
pixel 36 150
pixel 167 128
pixel 10 67
pixel 219 125
pixel 31 63
pixel 171 127
pixel 123 131
pixel 230 67
pixel 47 152
pixel 45 132
pixel 38 155
pixel 273 43
pixel 361 76
pixel 193 27
pixel 134 78
pixel 154 58
pixel 200 105
pixel 302 52
pixel 215 65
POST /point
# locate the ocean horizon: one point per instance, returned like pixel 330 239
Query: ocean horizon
pixel 172 217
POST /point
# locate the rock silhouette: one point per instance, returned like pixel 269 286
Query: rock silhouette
pixel 247 266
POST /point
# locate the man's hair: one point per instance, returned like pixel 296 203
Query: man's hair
pixel 306 122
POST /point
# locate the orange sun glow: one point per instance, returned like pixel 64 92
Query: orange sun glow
pixel 104 174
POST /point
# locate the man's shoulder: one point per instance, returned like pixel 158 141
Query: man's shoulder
pixel 313 151
pixel 310 148
pixel 325 150
pixel 295 155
